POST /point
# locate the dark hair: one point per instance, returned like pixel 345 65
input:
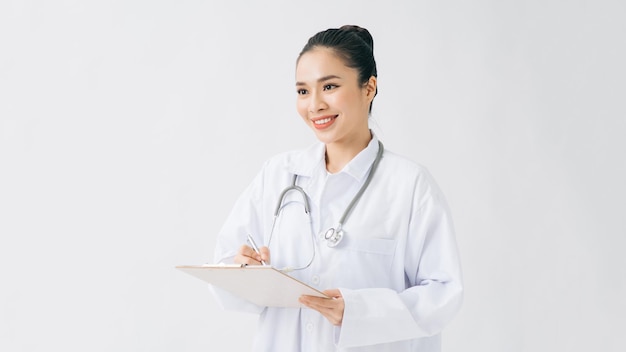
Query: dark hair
pixel 353 44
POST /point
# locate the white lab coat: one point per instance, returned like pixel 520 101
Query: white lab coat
pixel 397 267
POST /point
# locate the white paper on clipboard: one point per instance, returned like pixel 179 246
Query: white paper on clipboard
pixel 261 285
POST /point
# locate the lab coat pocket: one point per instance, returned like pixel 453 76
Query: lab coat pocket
pixel 370 261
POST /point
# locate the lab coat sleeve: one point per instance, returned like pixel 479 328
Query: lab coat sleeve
pixel 433 274
pixel 244 218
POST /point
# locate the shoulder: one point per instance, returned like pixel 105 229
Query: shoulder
pixel 403 166
pixel 274 173
pixel 283 161
pixel 409 174
pixel 298 161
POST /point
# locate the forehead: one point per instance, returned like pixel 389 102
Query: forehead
pixel 321 62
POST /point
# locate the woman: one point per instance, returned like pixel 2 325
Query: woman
pixel 378 238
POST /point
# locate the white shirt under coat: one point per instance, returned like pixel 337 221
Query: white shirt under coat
pixel 397 267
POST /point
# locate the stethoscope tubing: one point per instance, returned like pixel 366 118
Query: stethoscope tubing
pixel 336 234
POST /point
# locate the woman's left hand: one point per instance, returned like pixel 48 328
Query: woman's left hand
pixel 331 308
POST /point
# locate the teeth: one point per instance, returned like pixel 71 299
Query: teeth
pixel 323 121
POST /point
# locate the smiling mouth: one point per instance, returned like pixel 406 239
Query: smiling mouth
pixel 323 122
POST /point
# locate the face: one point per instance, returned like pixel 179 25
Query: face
pixel 331 100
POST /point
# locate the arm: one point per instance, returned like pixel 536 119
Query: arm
pixel 244 218
pixel 433 278
pixel 433 270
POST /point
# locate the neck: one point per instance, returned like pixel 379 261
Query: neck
pixel 338 154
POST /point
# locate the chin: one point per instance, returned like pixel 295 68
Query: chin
pixel 324 137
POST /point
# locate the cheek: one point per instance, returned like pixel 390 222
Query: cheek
pixel 343 102
pixel 354 103
pixel 301 106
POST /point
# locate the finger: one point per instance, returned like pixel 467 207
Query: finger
pixel 334 293
pixel 248 252
pixel 242 259
pixel 247 255
pixel 265 254
pixel 245 250
pixel 334 313
pixel 321 303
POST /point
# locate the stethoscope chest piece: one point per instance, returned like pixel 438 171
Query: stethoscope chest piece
pixel 333 237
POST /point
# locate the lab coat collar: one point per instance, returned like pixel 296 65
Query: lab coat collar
pixel 362 162
pixel 309 160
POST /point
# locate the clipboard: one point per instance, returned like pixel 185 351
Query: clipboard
pixel 259 284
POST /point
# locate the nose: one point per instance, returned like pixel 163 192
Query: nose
pixel 316 102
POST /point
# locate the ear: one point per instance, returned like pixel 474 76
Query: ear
pixel 370 88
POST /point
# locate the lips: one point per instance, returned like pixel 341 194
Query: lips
pixel 323 122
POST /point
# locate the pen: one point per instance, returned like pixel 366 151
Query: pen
pixel 254 246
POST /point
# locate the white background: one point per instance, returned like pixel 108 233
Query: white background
pixel 128 128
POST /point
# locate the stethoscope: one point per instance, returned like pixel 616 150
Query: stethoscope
pixel 333 235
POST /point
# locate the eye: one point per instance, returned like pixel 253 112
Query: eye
pixel 330 86
pixel 301 91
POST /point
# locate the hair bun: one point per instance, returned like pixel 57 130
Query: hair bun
pixel 361 32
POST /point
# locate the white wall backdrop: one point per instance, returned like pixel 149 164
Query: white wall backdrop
pixel 128 128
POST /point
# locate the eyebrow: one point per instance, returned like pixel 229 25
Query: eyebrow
pixel 322 79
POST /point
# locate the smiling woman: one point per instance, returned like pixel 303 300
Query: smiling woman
pixel 336 84
pixel 386 253
pixel 333 102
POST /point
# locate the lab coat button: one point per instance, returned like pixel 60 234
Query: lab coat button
pixel 309 327
pixel 315 279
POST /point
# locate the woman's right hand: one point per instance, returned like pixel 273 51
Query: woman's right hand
pixel 247 255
